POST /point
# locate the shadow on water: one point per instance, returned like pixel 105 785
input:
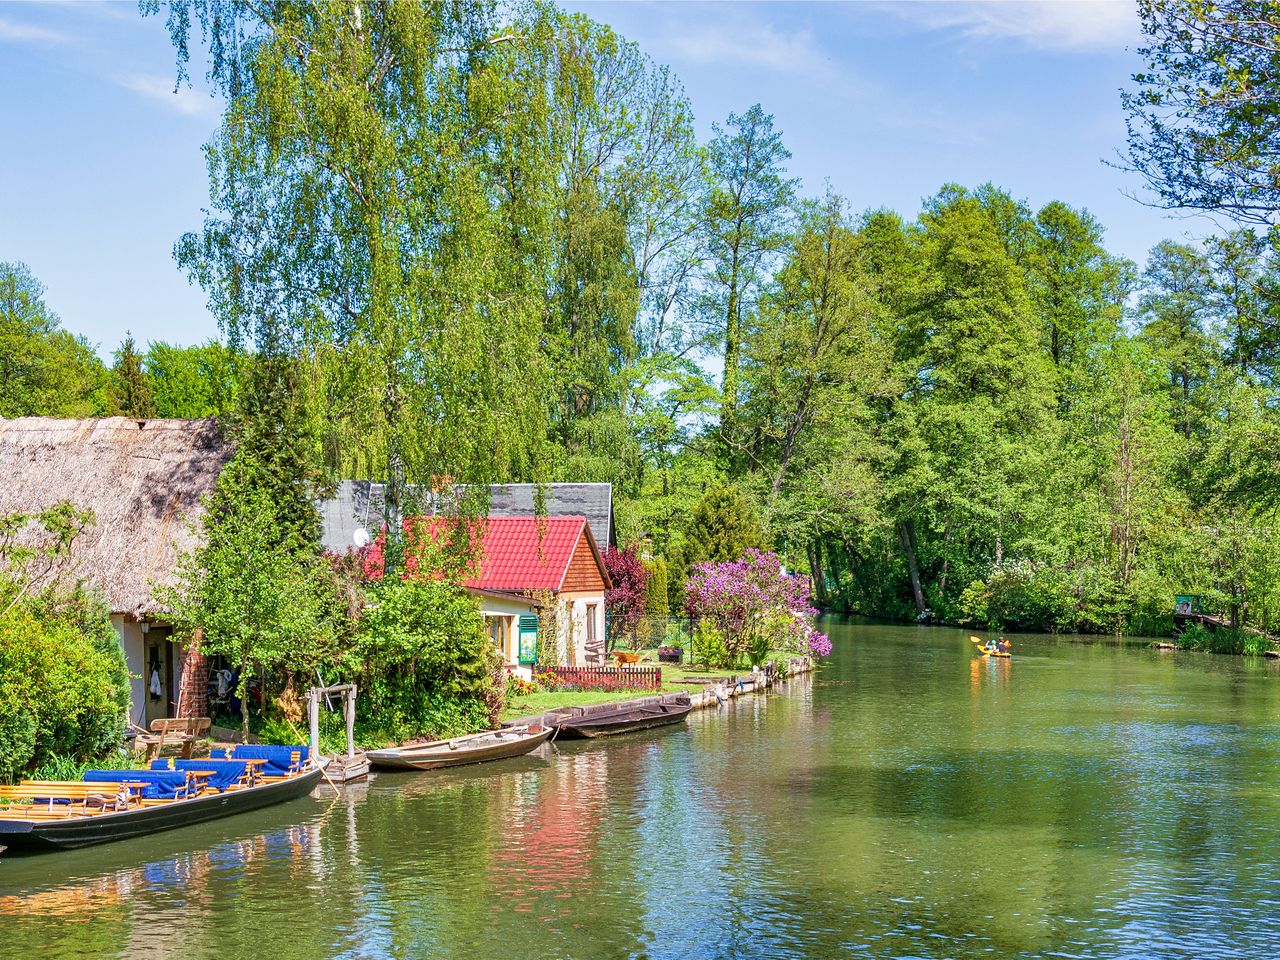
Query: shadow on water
pixel 1083 800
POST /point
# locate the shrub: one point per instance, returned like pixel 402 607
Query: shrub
pixel 422 645
pixel 709 646
pixel 754 604
pixel 625 599
pixel 63 692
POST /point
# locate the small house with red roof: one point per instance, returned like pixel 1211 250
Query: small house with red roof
pixel 537 575
pixel 540 583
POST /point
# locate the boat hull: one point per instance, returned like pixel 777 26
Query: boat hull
pixel 611 724
pixel 438 756
pixel 35 836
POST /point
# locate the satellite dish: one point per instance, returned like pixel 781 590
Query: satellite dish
pixel 360 538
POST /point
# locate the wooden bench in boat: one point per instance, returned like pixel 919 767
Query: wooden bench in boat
pixel 62 796
pixel 173 731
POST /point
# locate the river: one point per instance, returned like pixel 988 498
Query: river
pixel 1082 800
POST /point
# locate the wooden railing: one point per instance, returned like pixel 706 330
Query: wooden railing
pixel 606 678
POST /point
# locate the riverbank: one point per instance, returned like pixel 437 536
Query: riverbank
pixel 704 689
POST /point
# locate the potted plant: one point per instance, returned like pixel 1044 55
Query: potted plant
pixel 670 654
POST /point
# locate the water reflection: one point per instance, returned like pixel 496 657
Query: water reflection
pixel 910 801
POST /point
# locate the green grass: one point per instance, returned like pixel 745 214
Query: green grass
pixel 542 702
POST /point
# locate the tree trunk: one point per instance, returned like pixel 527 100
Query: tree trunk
pixel 244 701
pixel 907 536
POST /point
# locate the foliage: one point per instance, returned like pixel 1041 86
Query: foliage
pixel 421 646
pixel 63 692
pixel 708 645
pixel 1200 112
pixel 754 605
pixel 246 595
pixel 44 370
pixel 625 599
pixel 191 382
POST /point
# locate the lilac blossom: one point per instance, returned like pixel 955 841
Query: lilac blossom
pixel 752 599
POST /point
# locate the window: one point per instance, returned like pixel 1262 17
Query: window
pixel 591 622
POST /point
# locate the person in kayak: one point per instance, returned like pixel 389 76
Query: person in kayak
pixel 1003 645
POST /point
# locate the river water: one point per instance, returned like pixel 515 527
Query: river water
pixel 907 801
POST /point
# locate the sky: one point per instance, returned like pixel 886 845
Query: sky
pixel 101 166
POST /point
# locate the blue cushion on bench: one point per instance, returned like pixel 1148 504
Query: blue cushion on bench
pixel 226 773
pixel 278 758
pixel 161 784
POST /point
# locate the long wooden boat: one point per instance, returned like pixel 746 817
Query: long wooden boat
pixel 604 723
pixel 476 748
pixel 39 832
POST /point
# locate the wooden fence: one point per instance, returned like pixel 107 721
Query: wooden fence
pixel 607 678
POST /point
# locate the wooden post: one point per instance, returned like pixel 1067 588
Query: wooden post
pixel 313 713
pixel 349 711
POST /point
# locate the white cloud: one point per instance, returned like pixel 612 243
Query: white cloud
pixel 748 41
pixel 29 33
pixel 188 102
pixel 1042 24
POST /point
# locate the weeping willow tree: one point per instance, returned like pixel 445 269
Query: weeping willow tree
pixel 377 198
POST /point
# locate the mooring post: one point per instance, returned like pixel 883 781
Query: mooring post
pixel 313 711
pixel 349 711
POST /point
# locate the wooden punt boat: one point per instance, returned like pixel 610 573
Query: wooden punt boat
pixel 604 723
pixel 37 831
pixel 476 748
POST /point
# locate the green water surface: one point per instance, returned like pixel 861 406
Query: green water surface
pixel 1083 800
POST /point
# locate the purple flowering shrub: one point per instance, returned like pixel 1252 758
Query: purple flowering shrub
pixel 755 607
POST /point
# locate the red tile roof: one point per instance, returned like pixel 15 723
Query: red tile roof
pixel 527 553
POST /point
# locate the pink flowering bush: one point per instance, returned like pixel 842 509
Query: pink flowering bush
pixel 755 606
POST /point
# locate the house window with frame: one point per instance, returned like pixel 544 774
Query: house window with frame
pixel 591 622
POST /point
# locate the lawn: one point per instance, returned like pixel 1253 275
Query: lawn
pixel 673 681
pixel 542 702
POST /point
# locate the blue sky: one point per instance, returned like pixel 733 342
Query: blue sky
pixel 101 169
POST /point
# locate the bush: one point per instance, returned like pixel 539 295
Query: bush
pixel 64 692
pixel 426 661
pixel 709 647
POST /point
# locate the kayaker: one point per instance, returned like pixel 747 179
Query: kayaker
pixel 1002 645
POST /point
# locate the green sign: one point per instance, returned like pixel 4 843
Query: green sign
pixel 528 640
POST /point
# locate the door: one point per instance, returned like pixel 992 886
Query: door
pixel 157 678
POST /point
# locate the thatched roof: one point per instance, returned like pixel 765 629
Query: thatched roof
pixel 142 479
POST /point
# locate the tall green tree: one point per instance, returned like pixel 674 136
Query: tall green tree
pixel 379 200
pixel 747 212
pixel 130 386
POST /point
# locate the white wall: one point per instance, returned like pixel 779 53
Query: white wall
pixel 135 658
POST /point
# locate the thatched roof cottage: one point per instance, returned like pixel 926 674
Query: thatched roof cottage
pixel 143 479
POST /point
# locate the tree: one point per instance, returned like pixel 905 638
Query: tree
pixel 242 596
pixel 746 216
pixel 625 599
pixel 379 206
pixel 191 382
pixel 722 527
pixel 1077 290
pixel 130 387
pixel 1200 115
pixel 44 370
pixel 1174 310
